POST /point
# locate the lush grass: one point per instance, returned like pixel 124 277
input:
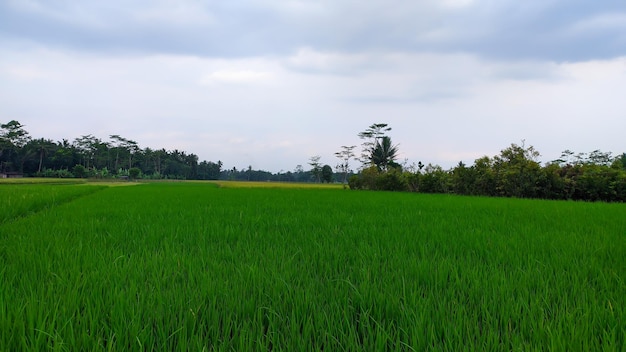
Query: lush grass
pixel 18 200
pixel 184 266
pixel 36 180
pixel 256 184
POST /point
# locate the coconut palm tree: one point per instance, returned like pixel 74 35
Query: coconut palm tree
pixel 42 148
pixel 384 154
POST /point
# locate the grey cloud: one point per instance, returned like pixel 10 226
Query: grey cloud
pixel 549 30
pixel 430 96
pixel 527 71
pixel 526 30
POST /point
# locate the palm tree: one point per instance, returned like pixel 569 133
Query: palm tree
pixel 384 154
pixel 43 147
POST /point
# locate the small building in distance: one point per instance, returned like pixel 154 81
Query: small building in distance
pixel 9 174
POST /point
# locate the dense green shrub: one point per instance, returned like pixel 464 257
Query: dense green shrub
pixel 514 173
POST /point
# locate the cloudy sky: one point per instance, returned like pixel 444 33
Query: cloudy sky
pixel 272 83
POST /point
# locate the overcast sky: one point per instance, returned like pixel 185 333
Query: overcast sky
pixel 271 83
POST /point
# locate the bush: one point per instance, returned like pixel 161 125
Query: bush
pixel 392 180
pixel 354 182
pixel 375 180
pixel 63 173
pixel 134 172
pixel 79 171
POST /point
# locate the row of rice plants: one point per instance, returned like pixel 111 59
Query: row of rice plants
pixel 40 180
pixel 23 199
pixel 191 266
pixel 273 184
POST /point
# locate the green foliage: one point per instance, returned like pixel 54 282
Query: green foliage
pixel 24 200
pixel 316 168
pixel 435 180
pixel 309 270
pixel 516 172
pixel 513 173
pixel 19 153
pixel 377 148
pixel 371 136
pixel 134 173
pixel 327 174
pixel 620 162
pixel 355 182
pixel 62 173
pixel 208 170
pixel 366 180
pixel 79 171
pixel 384 154
pixel 375 180
pixel 13 134
pixel 344 156
pixel 13 139
pixel 392 180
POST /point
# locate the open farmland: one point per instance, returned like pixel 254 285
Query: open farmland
pixel 20 200
pixel 193 266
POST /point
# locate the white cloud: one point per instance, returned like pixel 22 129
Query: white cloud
pixel 236 76
pixel 178 13
pixel 456 4
pixel 270 85
pixel 27 73
pixel 602 22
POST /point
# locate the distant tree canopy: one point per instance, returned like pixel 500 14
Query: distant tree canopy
pixel 377 148
pixel 345 155
pixel 515 172
pixel 327 174
pixel 89 156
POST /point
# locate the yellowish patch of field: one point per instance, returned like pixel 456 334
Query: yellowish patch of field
pixel 65 181
pixel 36 180
pixel 117 183
pixel 111 183
pixel 251 184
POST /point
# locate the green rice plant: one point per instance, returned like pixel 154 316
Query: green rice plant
pixel 18 200
pixel 273 184
pixel 190 266
pixel 40 180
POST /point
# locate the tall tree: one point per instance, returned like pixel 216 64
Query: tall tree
pixel 371 135
pixel 620 161
pixel 132 148
pixel 344 156
pixel 125 146
pixel 42 147
pixel 13 138
pixel 117 142
pixel 65 155
pixel 517 171
pixel 87 146
pixel 384 154
pixel 327 174
pixel 14 133
pixel 316 167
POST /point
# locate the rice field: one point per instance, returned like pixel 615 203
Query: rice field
pixel 40 180
pixel 196 266
pixel 255 184
pixel 17 201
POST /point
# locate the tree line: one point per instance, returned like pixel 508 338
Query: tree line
pixel 91 157
pixel 515 172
